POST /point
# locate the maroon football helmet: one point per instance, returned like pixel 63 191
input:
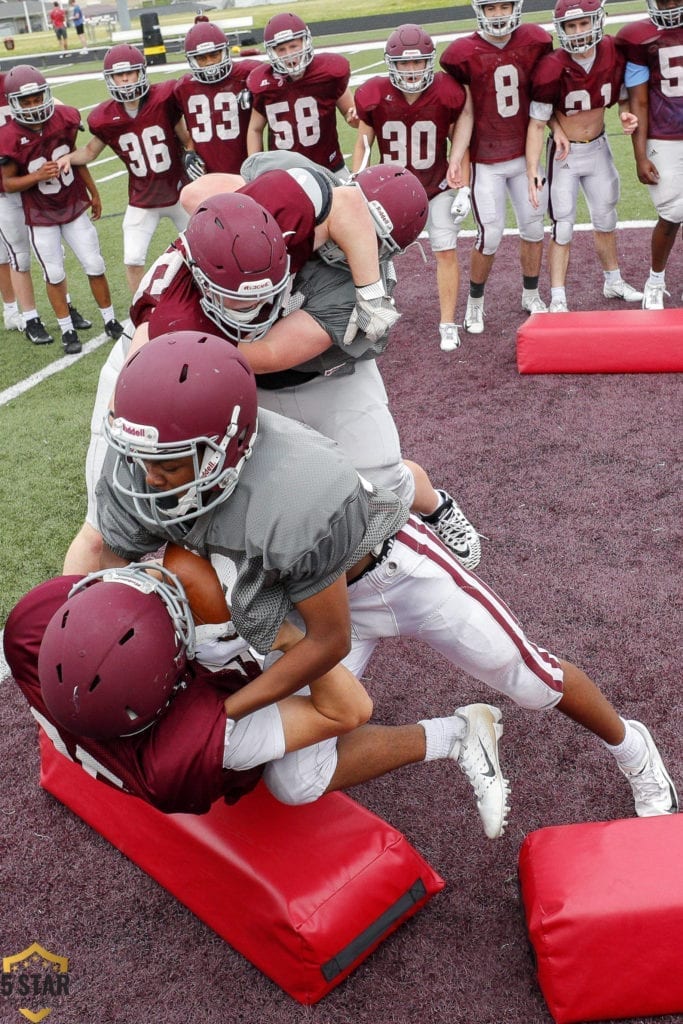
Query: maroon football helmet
pixel 22 81
pixel 205 37
pixel 406 44
pixel 113 655
pixel 576 10
pixel 237 254
pixel 665 17
pixel 183 395
pixel 282 28
pixel 118 59
pixel 398 205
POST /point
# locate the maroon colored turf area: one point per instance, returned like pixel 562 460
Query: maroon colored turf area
pixel 575 483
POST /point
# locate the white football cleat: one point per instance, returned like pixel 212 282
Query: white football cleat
pixel 477 756
pixel 653 296
pixel 533 304
pixel 558 306
pixel 449 339
pixel 474 316
pixel 653 791
pixel 621 290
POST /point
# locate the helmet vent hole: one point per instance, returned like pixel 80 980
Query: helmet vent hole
pixel 183 373
pixel 95 683
pixel 58 669
pixel 128 635
pixel 132 715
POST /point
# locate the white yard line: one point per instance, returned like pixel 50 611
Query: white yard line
pixel 59 364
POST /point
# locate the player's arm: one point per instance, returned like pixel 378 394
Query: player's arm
pixel 350 225
pixel 338 701
pixel 458 174
pixel 327 640
pixel 535 140
pixel 182 133
pixel 346 108
pixel 93 192
pixel 255 130
pixel 208 185
pixel 638 101
pixel 84 154
pixel 292 340
pixel 363 145
pixel 14 182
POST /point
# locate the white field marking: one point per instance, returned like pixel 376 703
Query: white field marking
pixel 59 364
pixel 4 667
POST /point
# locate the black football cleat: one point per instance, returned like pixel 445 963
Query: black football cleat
pixel 36 333
pixel 113 329
pixel 72 345
pixel 79 322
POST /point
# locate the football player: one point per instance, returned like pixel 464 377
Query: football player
pixel 15 260
pixel 495 64
pixel 573 86
pixel 653 77
pixel 215 102
pixel 55 201
pixel 302 531
pixel 414 115
pixel 298 95
pixel 306 370
pixel 195 289
pixel 159 724
pixel 142 123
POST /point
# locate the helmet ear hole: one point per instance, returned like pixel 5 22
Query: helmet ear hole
pixel 112 657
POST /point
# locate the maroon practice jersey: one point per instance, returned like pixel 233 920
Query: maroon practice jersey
pixel 560 80
pixel 660 50
pixel 146 143
pixel 57 200
pixel 415 133
pixel 216 121
pixel 302 114
pixel 176 764
pixel 170 277
pixel 499 78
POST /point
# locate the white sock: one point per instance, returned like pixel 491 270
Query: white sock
pixel 30 314
pixel 612 276
pixel 558 295
pixel 10 307
pixel 656 276
pixel 107 314
pixel 632 751
pixel 441 735
pixel 65 323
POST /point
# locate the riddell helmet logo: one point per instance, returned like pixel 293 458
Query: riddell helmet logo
pixel 34 975
pixel 122 428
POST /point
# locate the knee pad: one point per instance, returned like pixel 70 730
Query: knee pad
pixel 489 237
pixel 396 478
pixel 563 231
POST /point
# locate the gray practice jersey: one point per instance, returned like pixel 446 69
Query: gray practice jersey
pixel 299 517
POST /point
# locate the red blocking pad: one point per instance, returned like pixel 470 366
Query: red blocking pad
pixel 606 341
pixel 305 893
pixel 604 910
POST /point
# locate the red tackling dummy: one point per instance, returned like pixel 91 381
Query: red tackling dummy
pixel 305 893
pixel 604 909
pixel 607 341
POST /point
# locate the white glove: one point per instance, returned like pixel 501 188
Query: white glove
pixel 461 205
pixel 374 314
pixel 194 165
pixel 216 645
